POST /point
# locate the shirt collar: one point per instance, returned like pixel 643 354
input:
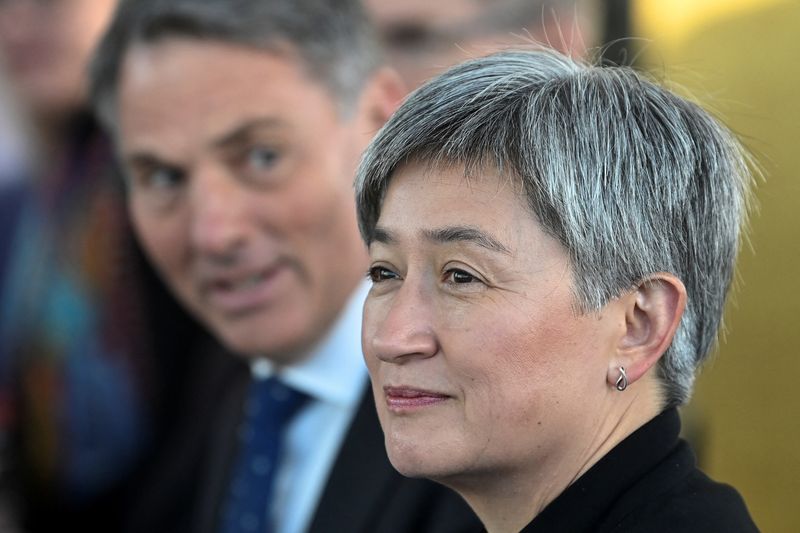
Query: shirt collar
pixel 334 371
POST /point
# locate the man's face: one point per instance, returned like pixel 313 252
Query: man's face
pixel 422 38
pixel 240 170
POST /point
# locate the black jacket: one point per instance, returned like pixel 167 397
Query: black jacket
pixel 363 493
pixel 648 483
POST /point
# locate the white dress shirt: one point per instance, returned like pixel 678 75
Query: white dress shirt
pixel 335 377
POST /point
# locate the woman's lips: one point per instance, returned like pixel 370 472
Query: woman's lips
pixel 409 398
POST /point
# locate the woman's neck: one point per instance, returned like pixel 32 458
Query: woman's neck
pixel 507 501
pixel 509 505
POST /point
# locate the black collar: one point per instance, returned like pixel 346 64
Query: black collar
pixel 586 503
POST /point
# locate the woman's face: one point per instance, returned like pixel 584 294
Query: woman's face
pixel 479 362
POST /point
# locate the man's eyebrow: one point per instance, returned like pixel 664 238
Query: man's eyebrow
pixel 245 132
pixel 139 158
pixel 143 160
pixel 467 234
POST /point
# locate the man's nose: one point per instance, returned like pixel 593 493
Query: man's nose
pixel 404 326
pixel 218 206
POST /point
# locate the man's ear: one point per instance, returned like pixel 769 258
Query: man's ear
pixel 653 311
pixel 381 97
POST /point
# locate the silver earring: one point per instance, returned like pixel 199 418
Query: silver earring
pixel 622 380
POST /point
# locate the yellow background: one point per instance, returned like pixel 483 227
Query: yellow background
pixel 741 58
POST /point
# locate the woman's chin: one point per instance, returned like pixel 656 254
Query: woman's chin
pixel 420 461
pixel 407 461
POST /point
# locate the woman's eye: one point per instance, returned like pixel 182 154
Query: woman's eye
pixel 378 274
pixel 460 277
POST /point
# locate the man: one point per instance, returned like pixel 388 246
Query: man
pixel 239 125
pixel 423 38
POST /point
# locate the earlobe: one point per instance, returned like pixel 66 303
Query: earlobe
pixel 653 312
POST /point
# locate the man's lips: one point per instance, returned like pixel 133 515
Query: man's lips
pixel 403 398
pixel 241 293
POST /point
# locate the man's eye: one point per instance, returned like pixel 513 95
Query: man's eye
pixel 378 274
pixel 159 178
pixel 156 186
pixel 459 276
pixel 261 158
pixel 408 36
pixel 262 165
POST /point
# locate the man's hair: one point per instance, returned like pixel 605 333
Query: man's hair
pixel 332 37
pixel 630 178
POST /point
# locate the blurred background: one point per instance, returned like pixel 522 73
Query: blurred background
pixel 738 58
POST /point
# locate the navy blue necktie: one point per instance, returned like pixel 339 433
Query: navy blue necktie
pixel 268 409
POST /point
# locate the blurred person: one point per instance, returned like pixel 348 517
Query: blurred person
pixel 75 351
pixel 239 126
pixel 13 153
pixel 45 48
pixel 529 344
pixel 10 171
pixel 423 38
pixel 13 161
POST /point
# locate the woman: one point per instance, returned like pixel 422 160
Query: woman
pixel 551 246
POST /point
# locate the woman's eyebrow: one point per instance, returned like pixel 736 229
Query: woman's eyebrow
pixel 447 234
pixel 466 234
pixel 383 236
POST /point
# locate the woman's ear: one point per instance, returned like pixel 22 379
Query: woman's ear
pixel 653 311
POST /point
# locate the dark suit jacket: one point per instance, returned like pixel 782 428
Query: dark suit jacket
pixel 647 484
pixel 363 493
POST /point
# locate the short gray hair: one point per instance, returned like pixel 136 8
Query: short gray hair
pixel 630 178
pixel 333 38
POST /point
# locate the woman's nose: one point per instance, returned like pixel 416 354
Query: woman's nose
pixel 400 328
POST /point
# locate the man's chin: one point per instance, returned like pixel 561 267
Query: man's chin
pixel 263 343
